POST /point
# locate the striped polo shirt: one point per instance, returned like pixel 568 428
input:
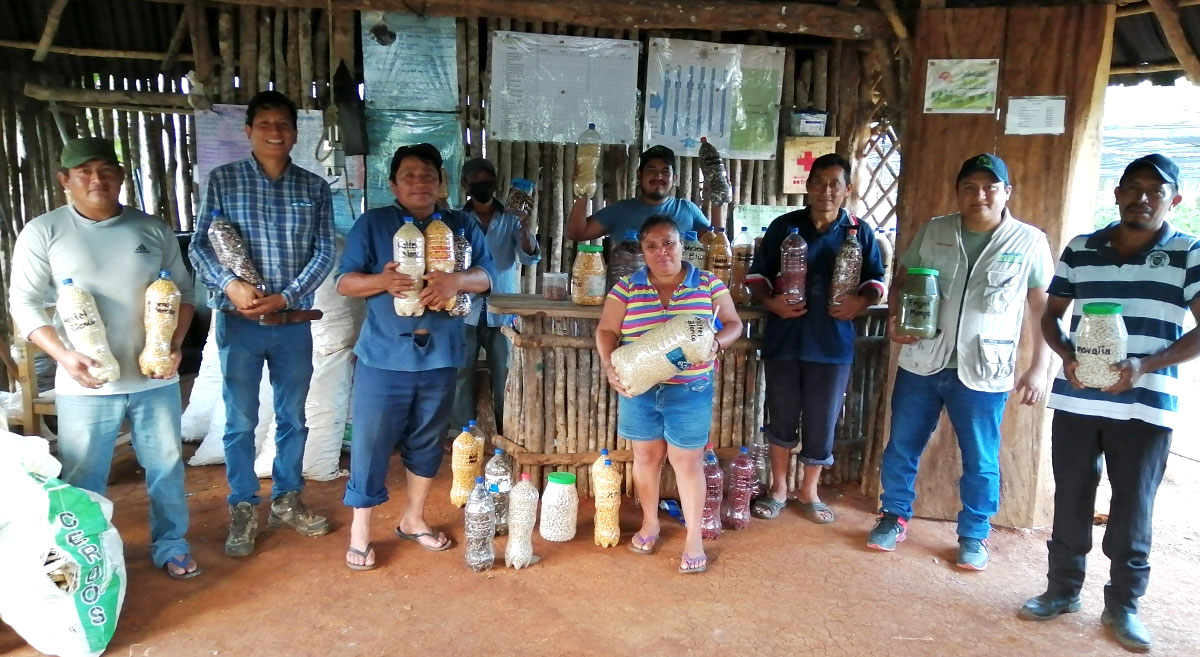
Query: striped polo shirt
pixel 1155 288
pixel 644 309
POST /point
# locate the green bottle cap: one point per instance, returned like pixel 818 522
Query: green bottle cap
pixel 591 248
pixel 564 478
pixel 1102 308
pixel 922 271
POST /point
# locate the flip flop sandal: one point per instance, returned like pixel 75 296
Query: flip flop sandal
pixel 364 554
pixel 182 564
pixel 416 538
pixel 648 545
pixel 767 508
pixel 818 512
pixel 693 566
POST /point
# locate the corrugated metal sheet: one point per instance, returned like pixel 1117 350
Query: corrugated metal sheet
pixel 1139 40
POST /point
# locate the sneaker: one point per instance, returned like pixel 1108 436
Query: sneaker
pixel 243 529
pixel 290 511
pixel 972 553
pixel 889 530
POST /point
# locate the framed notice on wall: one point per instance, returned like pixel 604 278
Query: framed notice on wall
pixel 547 87
pixel 798 156
pixel 961 86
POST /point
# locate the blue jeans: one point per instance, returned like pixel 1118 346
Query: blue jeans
pixel 88 426
pixel 409 409
pixel 917 402
pixel 287 350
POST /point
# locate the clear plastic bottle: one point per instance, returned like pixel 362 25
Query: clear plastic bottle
pixel 408 250
pixel 717 189
pixel 793 266
pixel 693 250
pixel 587 161
pixel 560 508
pixel 498 474
pixel 710 523
pixel 482 439
pixel 439 249
pixel 522 516
pixel 760 454
pixel 465 457
pixel 479 522
pixel 740 490
pixel 847 268
pixel 626 257
pixel 743 256
pixel 461 305
pixel 758 240
pixel 608 505
pixel 85 330
pixel 160 317
pixel 886 253
pixel 720 256
pixel 599 463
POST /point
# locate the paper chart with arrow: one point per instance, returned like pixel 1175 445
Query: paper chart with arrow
pixel 727 93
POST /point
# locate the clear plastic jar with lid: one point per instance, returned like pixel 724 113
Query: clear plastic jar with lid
pixel 560 508
pixel 589 276
pixel 1100 341
pixel 919 302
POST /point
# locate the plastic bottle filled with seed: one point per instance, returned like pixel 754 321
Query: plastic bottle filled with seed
pixel 608 505
pixel 739 489
pixel 626 258
pixel 847 268
pixel 919 304
pixel 498 474
pixel 560 508
pixel 161 316
pixel 714 493
pixel 520 196
pixel 460 305
pixel 522 516
pixel 760 454
pixel 743 256
pixel 693 250
pixel 720 256
pixel 479 521
pixel 408 250
pixel 85 330
pixel 1100 341
pixel 589 276
pixel 465 457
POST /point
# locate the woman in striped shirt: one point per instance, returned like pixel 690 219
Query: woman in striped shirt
pixel 671 419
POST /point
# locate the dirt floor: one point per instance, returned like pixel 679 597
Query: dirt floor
pixel 786 587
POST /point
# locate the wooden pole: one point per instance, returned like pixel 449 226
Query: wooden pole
pixel 197 19
pixel 1167 14
pixel 226 44
pixel 1141 8
pixel 247 52
pixel 304 34
pixel 264 49
pixel 101 53
pixel 172 55
pixel 106 96
pixel 53 16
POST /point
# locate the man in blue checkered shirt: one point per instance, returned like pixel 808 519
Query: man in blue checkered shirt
pixel 285 217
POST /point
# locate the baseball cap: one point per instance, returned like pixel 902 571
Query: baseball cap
pixel 476 165
pixel 657 153
pixel 1164 166
pixel 78 151
pixel 987 163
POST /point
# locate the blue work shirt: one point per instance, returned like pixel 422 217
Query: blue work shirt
pixel 388 341
pixel 286 225
pixel 814 336
pixel 503 235
pixel 631 213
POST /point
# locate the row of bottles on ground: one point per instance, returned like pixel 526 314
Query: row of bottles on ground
pixel 727 494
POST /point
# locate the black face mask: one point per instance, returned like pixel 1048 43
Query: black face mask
pixel 482 191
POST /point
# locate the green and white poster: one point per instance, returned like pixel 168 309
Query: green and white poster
pixel 961 86
pixel 728 94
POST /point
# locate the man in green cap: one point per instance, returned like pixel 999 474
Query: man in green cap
pixel 114 252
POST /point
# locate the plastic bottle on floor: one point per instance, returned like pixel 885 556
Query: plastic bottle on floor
pixel 522 516
pixel 465 457
pixel 480 528
pixel 710 524
pixel 760 454
pixel 498 475
pixel 608 505
pixel 482 439
pixel 740 490
pixel 599 463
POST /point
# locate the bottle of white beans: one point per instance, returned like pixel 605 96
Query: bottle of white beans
pixel 1100 341
pixel 560 508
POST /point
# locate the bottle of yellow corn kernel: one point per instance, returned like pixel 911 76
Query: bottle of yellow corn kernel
pixel 465 458
pixel 160 317
pixel 439 249
pixel 608 505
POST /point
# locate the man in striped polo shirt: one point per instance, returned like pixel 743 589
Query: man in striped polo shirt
pixel 1153 272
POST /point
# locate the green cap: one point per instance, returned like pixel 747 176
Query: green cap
pixel 78 151
pixel 591 248
pixel 564 478
pixel 921 271
pixel 1102 308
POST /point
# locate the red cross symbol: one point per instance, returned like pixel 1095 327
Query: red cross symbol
pixel 806 161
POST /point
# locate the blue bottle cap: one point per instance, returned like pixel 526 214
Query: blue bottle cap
pixel 494 488
pixel 591 126
pixel 408 220
pixel 794 231
pixel 607 462
pixel 479 480
pixel 744 450
pixel 436 216
pixel 631 234
pixel 498 451
pixel 472 423
pixel 164 273
pixel 604 452
pixel 68 281
pixel 216 213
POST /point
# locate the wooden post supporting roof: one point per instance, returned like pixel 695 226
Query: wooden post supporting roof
pixel 1061 51
pixel 52 18
pixel 1168 19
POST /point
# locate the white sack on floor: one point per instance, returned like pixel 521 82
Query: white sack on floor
pixel 205 398
pixel 212 450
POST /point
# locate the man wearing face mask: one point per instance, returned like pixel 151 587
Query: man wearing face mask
pixel 510 240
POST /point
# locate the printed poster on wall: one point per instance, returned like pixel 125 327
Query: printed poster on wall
pixel 758 217
pixel 547 88
pixel 221 139
pixel 409 62
pixel 388 130
pixel 961 86
pixel 727 93
pixel 798 156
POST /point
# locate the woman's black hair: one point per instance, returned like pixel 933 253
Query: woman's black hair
pixel 657 220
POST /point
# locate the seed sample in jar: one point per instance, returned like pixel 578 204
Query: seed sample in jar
pixel 1100 341
pixel 560 508
pixel 589 276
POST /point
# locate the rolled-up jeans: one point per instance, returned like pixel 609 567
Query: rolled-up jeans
pixel 88 427
pixel 917 402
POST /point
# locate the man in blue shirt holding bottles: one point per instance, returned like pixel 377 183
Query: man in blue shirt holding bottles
pixel 285 217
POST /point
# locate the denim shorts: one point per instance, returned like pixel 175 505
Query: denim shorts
pixel 680 413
